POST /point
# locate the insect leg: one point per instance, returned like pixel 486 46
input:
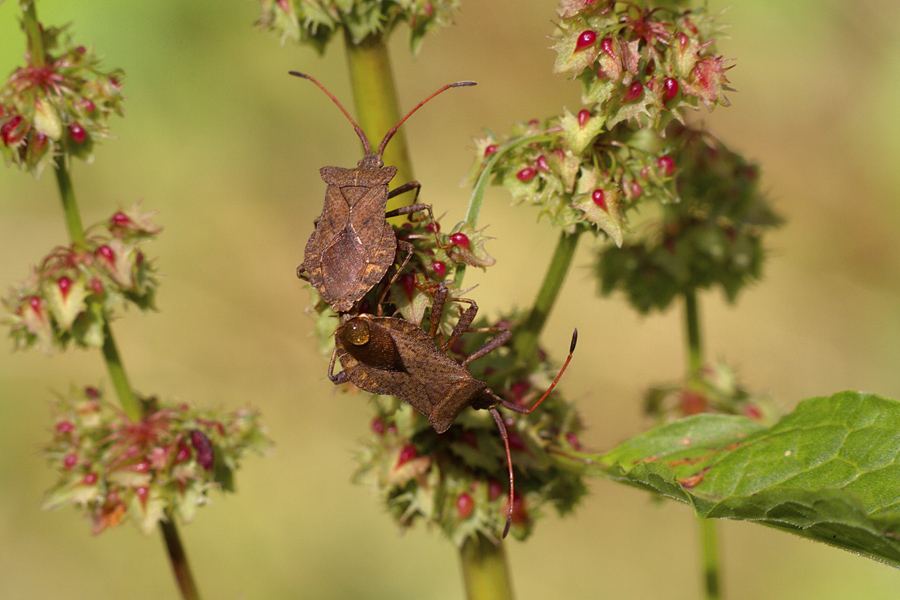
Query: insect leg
pixel 341 377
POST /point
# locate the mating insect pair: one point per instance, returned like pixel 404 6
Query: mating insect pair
pixel 350 252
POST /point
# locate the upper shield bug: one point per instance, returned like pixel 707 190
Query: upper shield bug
pixel 353 245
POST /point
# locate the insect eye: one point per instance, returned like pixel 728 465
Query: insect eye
pixel 357 332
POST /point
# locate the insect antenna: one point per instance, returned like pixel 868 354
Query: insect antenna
pixel 525 411
pixel 528 411
pixel 391 133
pixel 362 136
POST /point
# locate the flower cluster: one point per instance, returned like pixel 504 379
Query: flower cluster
pixel 59 106
pixel 151 470
pixel 712 236
pixel 458 480
pixel 71 295
pixel 716 390
pixel 640 69
pixel 314 22
pixel 639 64
pixel 548 165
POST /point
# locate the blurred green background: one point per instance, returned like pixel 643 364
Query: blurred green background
pixel 227 148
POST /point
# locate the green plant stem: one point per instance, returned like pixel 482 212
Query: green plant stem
pixel 69 202
pixel 527 334
pixel 178 558
pixel 710 545
pixel 119 377
pixel 377 108
pixel 708 527
pixel 484 570
pixel 692 329
pixel 31 25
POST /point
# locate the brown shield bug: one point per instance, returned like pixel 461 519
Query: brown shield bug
pixel 353 245
pixel 391 356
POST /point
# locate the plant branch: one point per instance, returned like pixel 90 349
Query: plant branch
pixel 484 570
pixel 527 334
pixel 69 202
pixel 708 528
pixel 710 545
pixel 33 33
pixel 178 558
pixel 692 330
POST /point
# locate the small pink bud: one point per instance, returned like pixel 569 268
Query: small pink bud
pixel 96 286
pixel 183 454
pixel 573 440
pixel 599 198
pixel 77 132
pixel 377 425
pixel 490 150
pixel 141 467
pixel 65 427
pixel 89 479
pixel 460 239
pixel 608 47
pixel 407 453
pixel 464 505
pixel 494 489
pixel 526 174
pixel 408 281
pixel 634 91
pixel 142 493
pixel 583 117
pixel 120 219
pixel 70 461
pixel 666 165
pixel 36 304
pixel 671 89
pixel 91 392
pixel 439 268
pixel 542 163
pixel 636 189
pixel 585 39
pixel 10 131
pixel 433 227
pixel 65 285
pixel 106 253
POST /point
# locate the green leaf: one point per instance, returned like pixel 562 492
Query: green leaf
pixel 829 471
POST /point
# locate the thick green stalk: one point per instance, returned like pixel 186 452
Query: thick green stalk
pixel 708 528
pixel 377 108
pixel 36 53
pixel 119 377
pixel 692 331
pixel 69 202
pixel 483 564
pixel 710 545
pixel 484 570
pixel 527 334
pixel 179 561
